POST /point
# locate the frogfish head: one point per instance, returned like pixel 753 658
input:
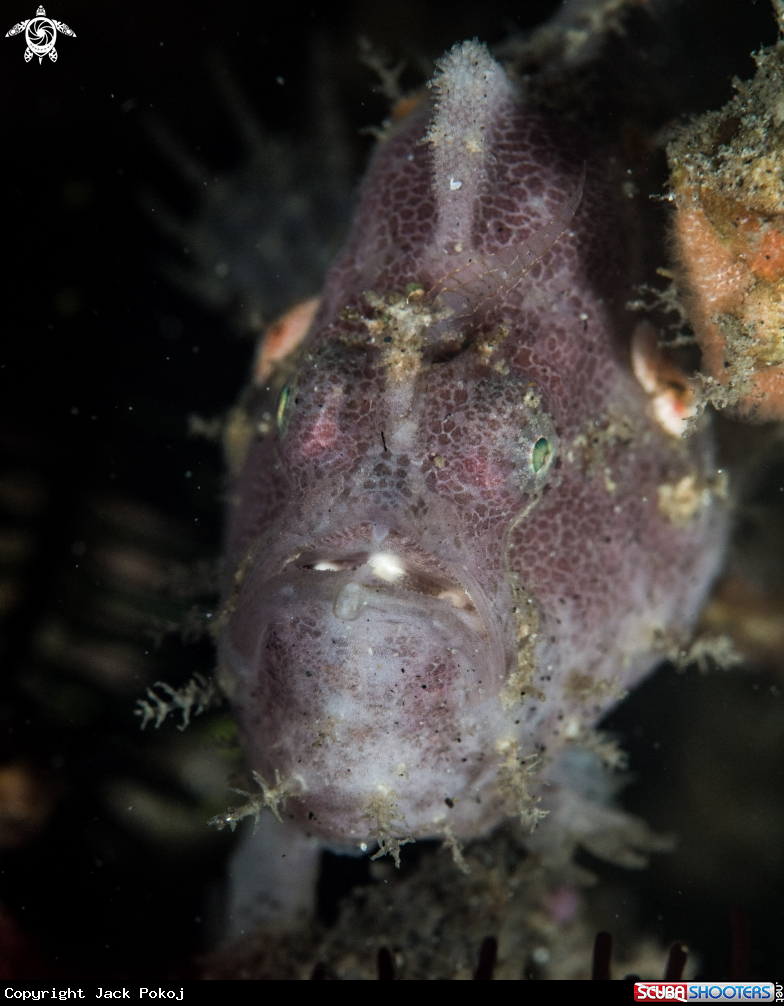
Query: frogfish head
pixel 370 633
pixel 457 530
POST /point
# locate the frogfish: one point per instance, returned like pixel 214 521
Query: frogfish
pixel 466 511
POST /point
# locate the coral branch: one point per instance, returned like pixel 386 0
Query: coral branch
pixel 514 774
pixel 388 77
pixel 718 651
pixel 273 797
pixel 382 807
pixel 192 699
pixel 454 846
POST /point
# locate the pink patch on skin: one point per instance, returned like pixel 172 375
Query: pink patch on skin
pixel 480 473
pixel 324 431
pixel 563 904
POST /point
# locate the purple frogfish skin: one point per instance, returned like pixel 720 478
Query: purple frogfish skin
pixel 458 529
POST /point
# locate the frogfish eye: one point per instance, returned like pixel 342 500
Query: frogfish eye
pixel 283 401
pixel 541 454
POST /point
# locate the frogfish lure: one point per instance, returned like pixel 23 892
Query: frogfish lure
pixel 459 527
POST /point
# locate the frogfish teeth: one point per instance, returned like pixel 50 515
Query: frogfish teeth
pixel 457 533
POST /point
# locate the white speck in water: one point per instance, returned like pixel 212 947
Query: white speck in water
pixel 573 728
pixel 454 184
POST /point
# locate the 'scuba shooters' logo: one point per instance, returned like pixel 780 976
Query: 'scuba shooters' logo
pixel 647 992
pixel 40 35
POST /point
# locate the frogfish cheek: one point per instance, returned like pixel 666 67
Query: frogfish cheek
pixel 348 689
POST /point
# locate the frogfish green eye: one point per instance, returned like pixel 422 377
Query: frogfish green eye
pixel 541 454
pixel 283 401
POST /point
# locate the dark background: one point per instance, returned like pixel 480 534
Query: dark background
pixel 102 360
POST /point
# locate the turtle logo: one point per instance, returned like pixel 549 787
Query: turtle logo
pixel 40 34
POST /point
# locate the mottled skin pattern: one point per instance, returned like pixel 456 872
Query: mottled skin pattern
pixel 520 604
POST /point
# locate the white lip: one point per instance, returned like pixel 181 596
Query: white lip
pixel 386 566
pixel 390 568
